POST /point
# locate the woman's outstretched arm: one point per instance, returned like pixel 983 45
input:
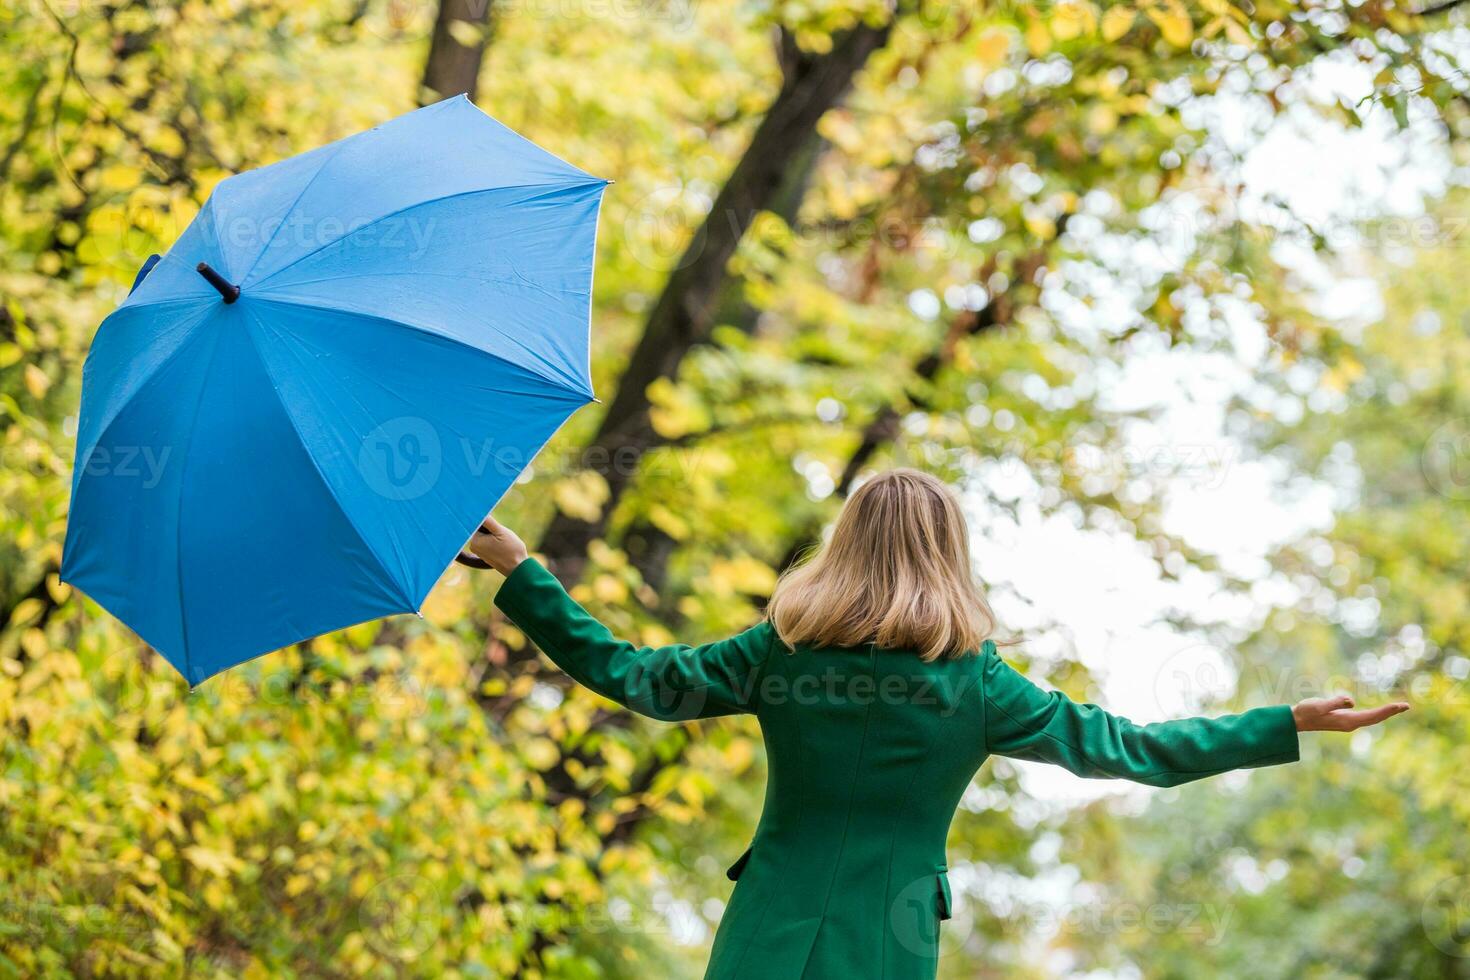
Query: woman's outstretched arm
pixel 672 683
pixel 1025 722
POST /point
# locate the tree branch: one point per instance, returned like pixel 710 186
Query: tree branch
pixel 684 313
pixel 1440 8
pixel 27 123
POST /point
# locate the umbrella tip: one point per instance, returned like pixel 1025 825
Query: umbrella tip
pixel 227 289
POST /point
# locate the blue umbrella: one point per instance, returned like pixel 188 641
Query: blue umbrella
pixel 299 415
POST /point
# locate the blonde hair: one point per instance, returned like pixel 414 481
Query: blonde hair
pixel 896 573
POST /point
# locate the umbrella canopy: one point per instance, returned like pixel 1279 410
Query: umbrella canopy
pixel 301 413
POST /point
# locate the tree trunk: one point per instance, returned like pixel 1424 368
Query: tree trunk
pixel 452 68
pixel 684 313
pixel 649 548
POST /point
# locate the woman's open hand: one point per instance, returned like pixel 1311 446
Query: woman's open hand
pixel 499 546
pixel 1337 714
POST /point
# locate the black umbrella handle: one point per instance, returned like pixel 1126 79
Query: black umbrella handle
pixel 471 560
pixel 227 289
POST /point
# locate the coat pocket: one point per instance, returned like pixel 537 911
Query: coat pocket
pixel 733 872
pixel 945 900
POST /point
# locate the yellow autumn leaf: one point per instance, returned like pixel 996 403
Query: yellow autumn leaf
pixel 33 642
pixel 744 574
pixel 1173 23
pixel 1102 119
pixel 448 603
pixel 993 47
pixel 619 759
pixel 1236 34
pixel 25 611
pixel 203 787
pixel 541 753
pixel 739 755
pixel 1117 22
pixel 691 789
pixel 840 128
pixel 1072 19
pixel 609 589
pixel 668 521
pixel 674 411
pixel 465 34
pixel 657 636
pixel 581 496
pixel 210 861
pixel 120 177
pixel 36 381
pixel 1040 225
pixel 1038 38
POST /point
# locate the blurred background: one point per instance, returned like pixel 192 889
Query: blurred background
pixel 1173 292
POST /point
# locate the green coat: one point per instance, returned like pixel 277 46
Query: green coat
pixel 869 751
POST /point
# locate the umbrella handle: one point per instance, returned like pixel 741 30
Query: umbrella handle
pixel 470 560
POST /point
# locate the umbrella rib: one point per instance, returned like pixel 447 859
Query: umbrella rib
pixel 219 246
pixel 169 300
pixel 536 147
pixel 214 336
pixel 159 303
pixel 415 601
pixel 473 351
pixel 516 280
pixel 141 383
pixel 550 189
pixel 255 260
pixel 559 383
pixel 316 466
pixel 591 281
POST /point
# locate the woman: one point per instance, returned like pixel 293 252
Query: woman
pixel 879 695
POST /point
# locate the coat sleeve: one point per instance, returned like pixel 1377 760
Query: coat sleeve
pixel 1024 722
pixel 672 683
